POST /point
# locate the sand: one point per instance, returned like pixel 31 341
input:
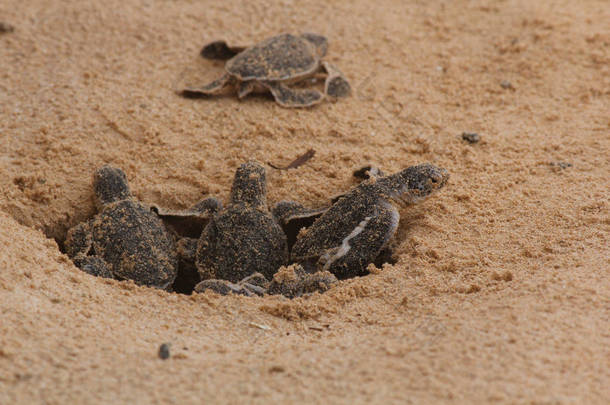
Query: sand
pixel 500 292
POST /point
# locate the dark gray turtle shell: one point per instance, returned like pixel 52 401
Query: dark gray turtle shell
pixel 239 241
pixel 279 58
pixel 134 241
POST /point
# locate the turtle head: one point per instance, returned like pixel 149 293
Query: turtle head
pixel 318 41
pixel 110 185
pixel 249 185
pixel 416 183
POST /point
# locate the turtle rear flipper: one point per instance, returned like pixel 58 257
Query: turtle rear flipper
pixel 336 85
pixel 287 97
pixel 220 50
pixel 215 87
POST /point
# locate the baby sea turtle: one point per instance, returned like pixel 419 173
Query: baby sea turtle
pixel 254 284
pixel 293 281
pixel 272 65
pixel 357 228
pixel 244 237
pixel 125 240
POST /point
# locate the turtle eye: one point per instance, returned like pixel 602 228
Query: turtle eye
pixel 434 180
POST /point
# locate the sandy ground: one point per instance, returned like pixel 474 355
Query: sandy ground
pixel 500 292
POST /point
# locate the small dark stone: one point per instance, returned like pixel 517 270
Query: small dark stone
pixel 505 84
pixel 164 351
pixel 5 28
pixel 563 165
pixel 471 137
pixel 560 165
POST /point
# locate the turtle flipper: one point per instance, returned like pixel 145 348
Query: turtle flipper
pixel 212 88
pixel 79 240
pixel 288 211
pixel 205 251
pixel 222 287
pixel 220 50
pixel 287 97
pixel 191 221
pixel 293 217
pixel 202 209
pixel 336 85
pixel 94 265
pixel 363 245
pixel 245 88
pixel 79 244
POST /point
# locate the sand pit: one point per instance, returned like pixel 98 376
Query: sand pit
pixel 500 289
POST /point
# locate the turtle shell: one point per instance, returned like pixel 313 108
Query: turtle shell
pixel 279 58
pixel 239 242
pixel 134 241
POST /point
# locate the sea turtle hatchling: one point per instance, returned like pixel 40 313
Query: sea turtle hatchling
pixel 357 228
pixel 125 240
pixel 244 237
pixel 272 65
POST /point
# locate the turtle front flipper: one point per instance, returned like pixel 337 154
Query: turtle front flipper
pixel 336 85
pixel 215 87
pixel 288 211
pixel 363 244
pixel 293 98
pixel 94 265
pixel 245 88
pixel 220 50
pixel 191 221
pixel 293 217
pixel 79 240
pixel 79 243
pixel 202 209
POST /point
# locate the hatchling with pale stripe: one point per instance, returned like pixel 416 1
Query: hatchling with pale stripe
pixel 273 65
pixel 359 225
